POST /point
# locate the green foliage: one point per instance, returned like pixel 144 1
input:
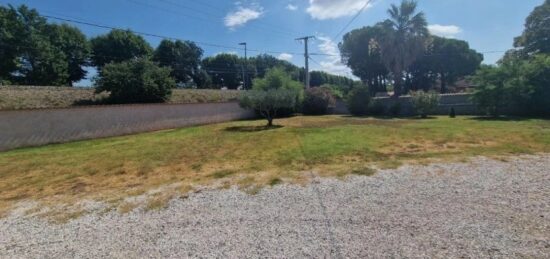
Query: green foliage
pixel 336 91
pixel 118 46
pixel 494 91
pixel 276 78
pixel 403 40
pixel 135 81
pixel 184 58
pixel 34 52
pixel 358 101
pixel 225 70
pixel 424 103
pixel 535 39
pixel 318 101
pixel 361 54
pixel 446 61
pixel 269 102
pixel 376 108
pixel 452 114
pixel 76 49
pixel 534 85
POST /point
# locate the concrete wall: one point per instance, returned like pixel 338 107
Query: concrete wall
pixel 25 128
pixel 460 102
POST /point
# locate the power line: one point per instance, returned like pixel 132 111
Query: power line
pixel 160 36
pixel 210 21
pixel 352 20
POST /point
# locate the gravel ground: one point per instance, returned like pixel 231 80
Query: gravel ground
pixel 483 208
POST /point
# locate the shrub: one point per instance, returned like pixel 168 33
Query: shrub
pixel 452 114
pixel 334 90
pixel 395 108
pixel 493 92
pixel 376 108
pixel 269 103
pixel 424 103
pixel 358 101
pixel 136 81
pixel 277 78
pixel 317 101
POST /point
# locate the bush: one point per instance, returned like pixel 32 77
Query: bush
pixel 424 103
pixel 395 108
pixel 269 103
pixel 452 114
pixel 376 108
pixel 358 101
pixel 277 78
pixel 136 81
pixel 317 101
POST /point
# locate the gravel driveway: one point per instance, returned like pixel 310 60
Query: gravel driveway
pixel 483 208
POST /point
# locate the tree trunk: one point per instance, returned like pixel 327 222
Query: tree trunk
pixel 443 84
pixel 397 85
pixel 269 121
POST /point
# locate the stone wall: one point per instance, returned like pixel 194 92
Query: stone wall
pixel 23 128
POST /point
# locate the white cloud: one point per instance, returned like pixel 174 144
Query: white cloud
pixel 285 56
pixel 332 9
pixel 292 7
pixel 449 31
pixel 332 63
pixel 242 16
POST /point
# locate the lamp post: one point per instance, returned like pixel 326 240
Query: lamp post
pixel 244 66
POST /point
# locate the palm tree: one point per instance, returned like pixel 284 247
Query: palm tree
pixel 403 41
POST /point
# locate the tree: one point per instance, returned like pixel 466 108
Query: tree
pixel 268 103
pixel 318 101
pixel 358 101
pixel 494 91
pixel 424 103
pixel 535 38
pixel 135 81
pixel 360 53
pixel 10 26
pixel 445 60
pixel 276 78
pixel 224 69
pixel 39 60
pixel 183 57
pixel 34 52
pixel 118 46
pixel 76 49
pixel 534 85
pixel 403 40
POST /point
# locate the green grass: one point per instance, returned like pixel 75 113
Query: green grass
pixel 114 168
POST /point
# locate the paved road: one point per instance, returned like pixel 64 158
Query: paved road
pixel 484 208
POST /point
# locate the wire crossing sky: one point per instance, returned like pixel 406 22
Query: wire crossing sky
pixel 271 26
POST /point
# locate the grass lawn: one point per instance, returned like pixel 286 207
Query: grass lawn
pixel 247 155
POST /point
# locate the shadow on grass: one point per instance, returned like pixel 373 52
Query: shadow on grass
pixel 252 128
pixel 502 118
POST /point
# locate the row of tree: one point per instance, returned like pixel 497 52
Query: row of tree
pixel 401 52
pixel 35 52
pixel 520 82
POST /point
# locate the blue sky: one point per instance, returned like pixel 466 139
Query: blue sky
pixel 272 25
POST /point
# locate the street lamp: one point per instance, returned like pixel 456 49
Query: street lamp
pixel 244 66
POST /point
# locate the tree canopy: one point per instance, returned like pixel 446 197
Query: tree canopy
pixel 536 36
pixel 118 46
pixel 403 40
pixel 183 57
pixel 34 52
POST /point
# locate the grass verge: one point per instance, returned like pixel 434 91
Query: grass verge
pixel 217 155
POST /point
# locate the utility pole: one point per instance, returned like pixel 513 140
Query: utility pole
pixel 245 65
pixel 306 40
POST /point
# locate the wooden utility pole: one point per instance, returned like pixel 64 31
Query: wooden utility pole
pixel 306 54
pixel 245 66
